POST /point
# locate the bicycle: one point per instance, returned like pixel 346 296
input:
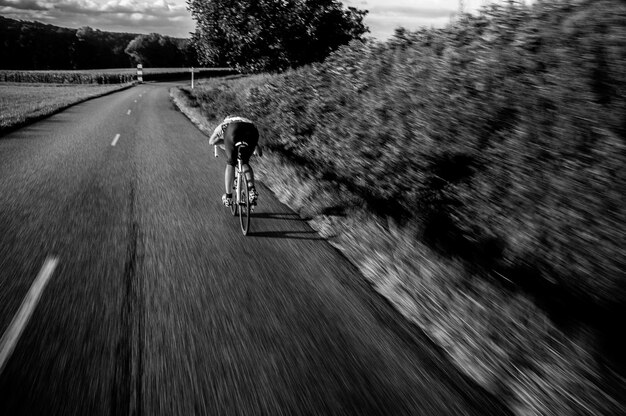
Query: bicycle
pixel 241 199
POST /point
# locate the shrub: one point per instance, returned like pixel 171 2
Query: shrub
pixel 501 137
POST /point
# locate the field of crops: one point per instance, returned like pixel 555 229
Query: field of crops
pixel 107 76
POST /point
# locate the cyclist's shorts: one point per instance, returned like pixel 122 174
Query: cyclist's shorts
pixel 240 132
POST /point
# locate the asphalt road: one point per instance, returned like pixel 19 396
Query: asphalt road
pixel 158 304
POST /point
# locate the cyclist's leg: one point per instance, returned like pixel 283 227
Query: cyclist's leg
pixel 247 170
pixel 247 133
pixel 254 195
pixel 251 137
pixel 252 192
pixel 229 171
pixel 229 177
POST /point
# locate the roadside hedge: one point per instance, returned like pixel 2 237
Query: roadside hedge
pixel 502 136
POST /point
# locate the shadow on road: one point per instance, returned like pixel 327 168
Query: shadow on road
pixel 279 216
pixel 295 235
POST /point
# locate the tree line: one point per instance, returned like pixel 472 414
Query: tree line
pixel 250 36
pixel 36 46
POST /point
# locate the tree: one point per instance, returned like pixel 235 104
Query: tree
pixel 269 35
pixel 156 51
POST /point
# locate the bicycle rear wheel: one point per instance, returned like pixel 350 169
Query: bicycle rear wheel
pixel 244 206
pixel 233 206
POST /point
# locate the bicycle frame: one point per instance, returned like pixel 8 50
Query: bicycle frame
pixel 239 171
pixel 241 205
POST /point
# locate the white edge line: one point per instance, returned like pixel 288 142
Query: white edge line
pixel 115 139
pixel 12 334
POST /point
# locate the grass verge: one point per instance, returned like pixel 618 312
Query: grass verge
pixel 494 334
pixel 21 104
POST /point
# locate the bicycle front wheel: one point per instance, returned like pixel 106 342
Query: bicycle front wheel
pixel 244 205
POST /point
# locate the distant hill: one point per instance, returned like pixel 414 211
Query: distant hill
pixel 28 45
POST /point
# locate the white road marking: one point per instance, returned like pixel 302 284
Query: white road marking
pixel 15 329
pixel 128 112
pixel 117 137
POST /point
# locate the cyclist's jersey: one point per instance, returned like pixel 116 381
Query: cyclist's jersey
pixel 232 131
pixel 218 133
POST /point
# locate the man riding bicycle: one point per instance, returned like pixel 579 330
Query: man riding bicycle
pixel 234 130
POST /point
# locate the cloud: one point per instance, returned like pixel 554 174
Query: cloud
pixel 411 12
pixel 22 4
pixel 386 15
pixel 128 7
pixel 168 17
pixel 171 17
pixel 382 27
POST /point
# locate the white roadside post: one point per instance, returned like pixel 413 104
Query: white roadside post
pixel 192 77
pixel 139 73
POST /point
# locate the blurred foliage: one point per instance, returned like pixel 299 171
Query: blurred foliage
pixel 270 35
pixel 502 136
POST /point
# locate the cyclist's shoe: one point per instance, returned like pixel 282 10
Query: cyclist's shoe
pixel 226 200
pixel 253 195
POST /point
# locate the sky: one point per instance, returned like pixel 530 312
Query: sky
pixel 171 17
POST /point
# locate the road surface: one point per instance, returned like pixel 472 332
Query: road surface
pixel 155 304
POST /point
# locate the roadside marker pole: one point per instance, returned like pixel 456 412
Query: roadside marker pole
pixel 192 77
pixel 140 73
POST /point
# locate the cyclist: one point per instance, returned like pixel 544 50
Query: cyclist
pixel 230 131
